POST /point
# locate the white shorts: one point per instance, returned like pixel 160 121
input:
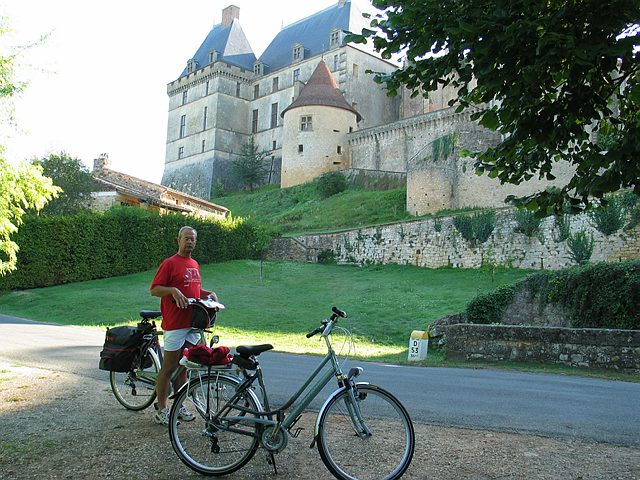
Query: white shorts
pixel 175 339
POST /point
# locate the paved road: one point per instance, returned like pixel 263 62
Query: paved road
pixel 550 405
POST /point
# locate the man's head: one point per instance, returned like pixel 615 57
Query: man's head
pixel 187 237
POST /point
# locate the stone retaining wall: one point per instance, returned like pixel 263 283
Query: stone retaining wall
pixel 435 243
pixel 577 347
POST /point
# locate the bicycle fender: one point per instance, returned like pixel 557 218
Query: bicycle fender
pixel 324 407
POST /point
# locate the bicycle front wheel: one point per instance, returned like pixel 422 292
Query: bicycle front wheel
pixel 371 438
pixel 136 389
pixel 214 447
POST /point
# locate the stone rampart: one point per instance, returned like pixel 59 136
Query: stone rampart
pixel 435 243
pixel 577 347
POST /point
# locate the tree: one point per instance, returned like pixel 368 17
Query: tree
pixel 550 74
pixel 22 187
pixel 249 168
pixel 72 177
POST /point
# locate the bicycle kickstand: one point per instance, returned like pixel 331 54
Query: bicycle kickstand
pixel 271 460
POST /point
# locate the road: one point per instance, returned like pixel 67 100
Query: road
pixel 548 405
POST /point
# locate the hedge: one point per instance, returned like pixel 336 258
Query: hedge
pixel 90 245
pixel 600 295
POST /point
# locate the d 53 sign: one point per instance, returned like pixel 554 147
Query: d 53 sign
pixel 418 345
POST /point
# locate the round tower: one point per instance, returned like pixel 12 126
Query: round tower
pixel 315 128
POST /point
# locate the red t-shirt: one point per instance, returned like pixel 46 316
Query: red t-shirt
pixel 184 274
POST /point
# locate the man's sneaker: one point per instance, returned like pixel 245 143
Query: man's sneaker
pixel 161 417
pixel 184 414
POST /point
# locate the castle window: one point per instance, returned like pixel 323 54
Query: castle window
pixel 203 144
pixel 296 75
pixel 256 91
pixel 339 150
pixel 355 70
pixel 207 88
pixel 275 84
pixel 334 38
pixel 204 118
pixel 184 97
pixel 300 148
pixel 183 125
pixel 298 52
pixel 237 89
pixel 213 55
pixel 258 68
pixel 254 121
pixel 335 63
pixel 180 152
pixel 274 145
pixel 274 115
pixel 191 66
pixel 306 123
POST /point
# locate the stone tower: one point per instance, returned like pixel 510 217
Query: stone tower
pixel 315 130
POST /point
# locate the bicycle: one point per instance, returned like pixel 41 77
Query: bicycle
pixel 136 389
pixel 357 421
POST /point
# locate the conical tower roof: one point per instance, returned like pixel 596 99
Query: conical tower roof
pixel 322 89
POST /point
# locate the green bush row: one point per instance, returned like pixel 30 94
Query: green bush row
pixel 63 249
pixel 600 295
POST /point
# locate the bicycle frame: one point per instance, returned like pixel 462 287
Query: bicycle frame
pixel 264 417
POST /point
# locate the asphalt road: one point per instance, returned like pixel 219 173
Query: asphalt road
pixel 549 405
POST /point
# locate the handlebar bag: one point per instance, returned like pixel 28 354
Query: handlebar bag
pixel 201 316
pixel 121 349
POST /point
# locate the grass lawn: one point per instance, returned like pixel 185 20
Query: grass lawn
pixel 385 302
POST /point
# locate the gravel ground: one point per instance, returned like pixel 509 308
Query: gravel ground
pixel 62 426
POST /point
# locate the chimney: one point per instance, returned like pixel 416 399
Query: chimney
pixel 230 14
pixel 101 162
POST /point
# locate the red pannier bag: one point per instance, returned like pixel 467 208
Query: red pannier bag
pixel 208 356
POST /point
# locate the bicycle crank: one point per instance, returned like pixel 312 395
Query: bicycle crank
pixel 274 439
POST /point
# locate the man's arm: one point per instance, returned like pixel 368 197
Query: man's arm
pixel 162 291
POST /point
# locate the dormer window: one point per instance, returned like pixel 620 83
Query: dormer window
pixel 258 68
pixel 335 38
pixel 298 52
pixel 191 66
pixel 213 55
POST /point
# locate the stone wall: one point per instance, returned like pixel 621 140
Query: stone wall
pixel 577 347
pixel 435 243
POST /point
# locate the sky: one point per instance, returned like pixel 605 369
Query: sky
pixel 97 82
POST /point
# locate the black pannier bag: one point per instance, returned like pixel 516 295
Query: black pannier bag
pixel 121 348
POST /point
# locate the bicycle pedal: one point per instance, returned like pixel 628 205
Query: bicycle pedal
pixel 297 432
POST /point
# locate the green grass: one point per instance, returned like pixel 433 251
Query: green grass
pixel 385 302
pixel 300 208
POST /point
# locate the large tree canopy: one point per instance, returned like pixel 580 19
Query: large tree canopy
pixel 22 187
pixel 559 79
pixel 73 177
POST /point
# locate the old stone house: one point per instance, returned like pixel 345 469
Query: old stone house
pixel 116 188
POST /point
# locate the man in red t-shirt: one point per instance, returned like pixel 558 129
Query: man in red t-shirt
pixel 177 279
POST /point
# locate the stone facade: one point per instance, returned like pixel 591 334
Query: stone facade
pixel 577 347
pixel 435 243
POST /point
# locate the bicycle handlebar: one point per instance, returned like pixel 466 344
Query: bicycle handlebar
pixel 336 313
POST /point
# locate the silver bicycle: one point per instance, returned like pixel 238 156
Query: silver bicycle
pixel 357 422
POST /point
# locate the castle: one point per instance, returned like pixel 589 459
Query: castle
pixel 309 104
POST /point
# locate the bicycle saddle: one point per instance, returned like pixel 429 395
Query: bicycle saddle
pixel 249 350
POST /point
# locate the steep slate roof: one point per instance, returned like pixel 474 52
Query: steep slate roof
pixel 230 42
pixel 322 89
pixel 313 33
pixel 153 193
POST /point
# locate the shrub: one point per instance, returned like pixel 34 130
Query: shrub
pixel 488 308
pixel 609 217
pixel 563 224
pixel 90 245
pixel 327 257
pixel 527 222
pixel 601 295
pixel 476 228
pixel 580 246
pixel 331 183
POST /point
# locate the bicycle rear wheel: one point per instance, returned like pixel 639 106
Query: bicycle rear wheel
pixel 349 452
pixel 136 389
pixel 214 448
